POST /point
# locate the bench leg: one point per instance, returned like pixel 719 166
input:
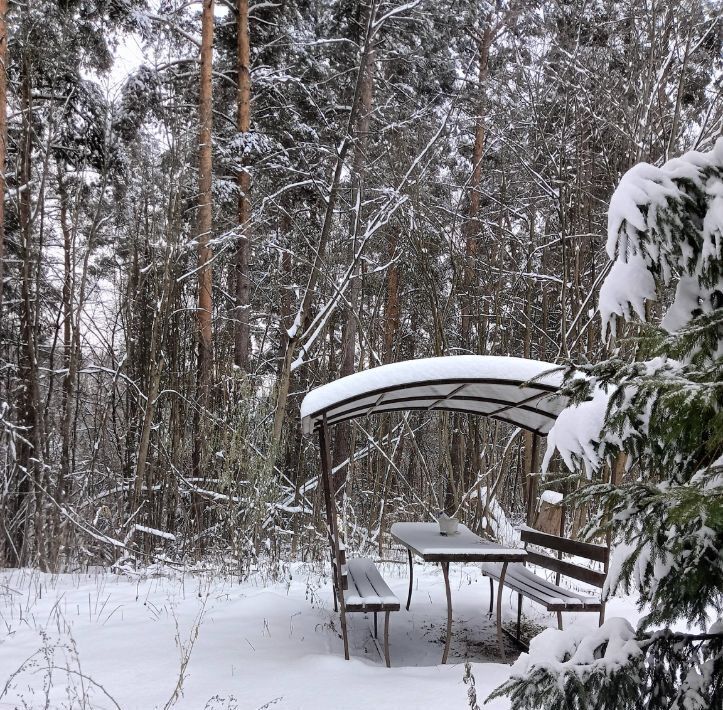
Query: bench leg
pixel 445 572
pixel 375 625
pixel 519 614
pixel 559 620
pixel 386 637
pixel 601 620
pixel 411 578
pixel 492 596
pixel 336 606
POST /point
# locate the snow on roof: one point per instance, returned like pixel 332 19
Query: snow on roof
pixel 498 387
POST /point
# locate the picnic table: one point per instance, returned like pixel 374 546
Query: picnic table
pixel 425 541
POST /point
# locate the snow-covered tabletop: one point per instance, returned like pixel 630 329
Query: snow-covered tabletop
pixel 425 540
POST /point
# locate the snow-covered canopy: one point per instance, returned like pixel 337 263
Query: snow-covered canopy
pixel 514 390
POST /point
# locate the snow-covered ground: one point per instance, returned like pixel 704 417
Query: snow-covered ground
pixel 201 641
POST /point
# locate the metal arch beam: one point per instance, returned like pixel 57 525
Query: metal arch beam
pixel 364 410
pixel 543 388
pixel 445 409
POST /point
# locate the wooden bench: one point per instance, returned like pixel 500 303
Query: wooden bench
pixel 364 591
pixel 550 594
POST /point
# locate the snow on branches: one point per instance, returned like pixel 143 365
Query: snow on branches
pixel 666 222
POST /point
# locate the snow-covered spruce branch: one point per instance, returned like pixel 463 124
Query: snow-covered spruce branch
pixel 615 667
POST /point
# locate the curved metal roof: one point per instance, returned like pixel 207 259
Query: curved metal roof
pixel 513 390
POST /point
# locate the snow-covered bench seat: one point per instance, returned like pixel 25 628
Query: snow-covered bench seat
pixel 552 596
pixel 366 591
pixel 544 592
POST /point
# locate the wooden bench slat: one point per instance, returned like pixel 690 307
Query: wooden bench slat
pixel 367 590
pixel 551 603
pixel 568 595
pixel 553 596
pixel 569 569
pixel 530 584
pixel 380 586
pixel 542 591
pixel 597 553
pixel 544 586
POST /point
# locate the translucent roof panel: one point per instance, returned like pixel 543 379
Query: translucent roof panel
pixel 514 390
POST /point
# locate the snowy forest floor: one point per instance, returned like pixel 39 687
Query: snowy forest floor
pixel 203 641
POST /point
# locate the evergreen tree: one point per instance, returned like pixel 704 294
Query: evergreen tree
pixel 664 413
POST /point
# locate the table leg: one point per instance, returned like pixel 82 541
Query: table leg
pixel 386 639
pixel 445 572
pixel 500 586
pixel 411 578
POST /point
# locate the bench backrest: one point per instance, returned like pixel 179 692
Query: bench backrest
pixel 590 551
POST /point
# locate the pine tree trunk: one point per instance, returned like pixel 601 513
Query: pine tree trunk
pixel 471 227
pixel 242 336
pixel 204 225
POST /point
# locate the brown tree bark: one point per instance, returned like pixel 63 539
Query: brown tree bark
pixel 69 354
pixel 155 365
pixel 391 310
pixel 242 258
pixel 471 226
pixel 203 229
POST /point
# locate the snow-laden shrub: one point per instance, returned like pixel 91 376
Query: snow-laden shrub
pixel 664 413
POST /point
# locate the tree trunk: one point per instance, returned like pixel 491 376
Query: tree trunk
pixel 242 259
pixel 30 454
pixel 391 310
pixel 471 227
pixel 69 358
pixel 155 365
pixel 344 433
pixel 282 388
pixel 204 225
pixel 3 137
